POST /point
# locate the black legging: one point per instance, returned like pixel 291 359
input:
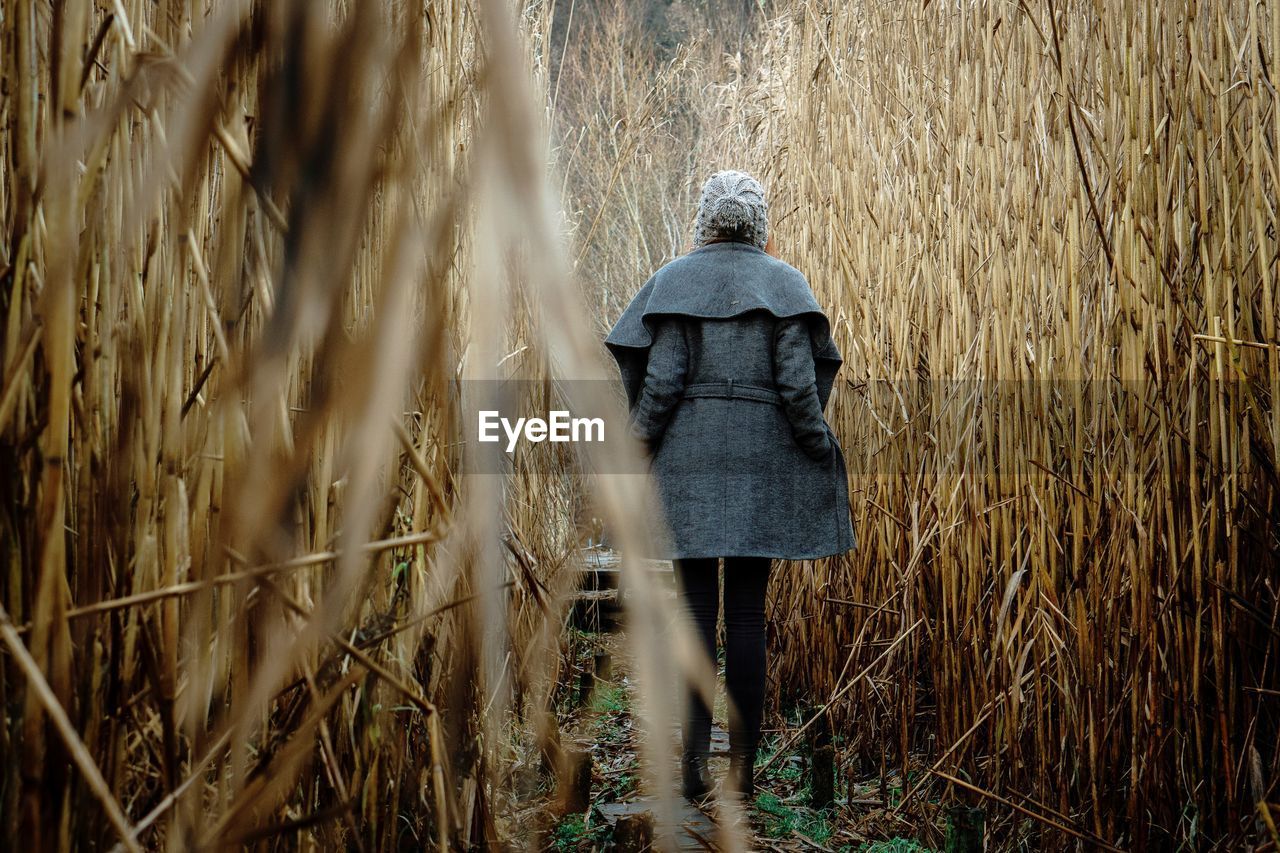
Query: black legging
pixel 745 580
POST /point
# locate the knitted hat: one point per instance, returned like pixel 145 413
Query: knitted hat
pixel 732 208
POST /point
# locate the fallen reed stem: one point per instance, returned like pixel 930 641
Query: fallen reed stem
pixel 1045 819
pixel 835 697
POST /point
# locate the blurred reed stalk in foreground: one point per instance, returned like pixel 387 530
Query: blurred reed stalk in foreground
pixel 248 596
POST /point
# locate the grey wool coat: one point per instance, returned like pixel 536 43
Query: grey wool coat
pixel 728 363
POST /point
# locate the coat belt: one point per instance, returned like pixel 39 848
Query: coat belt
pixel 734 391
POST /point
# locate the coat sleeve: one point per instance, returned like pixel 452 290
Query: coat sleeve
pixel 797 384
pixel 663 382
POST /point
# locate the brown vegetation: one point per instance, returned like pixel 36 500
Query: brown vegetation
pixel 1047 236
pixel 244 597
pixel 249 249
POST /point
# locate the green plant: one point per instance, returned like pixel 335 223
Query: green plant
pixel 572 834
pixel 782 820
pixel 610 699
pixel 894 845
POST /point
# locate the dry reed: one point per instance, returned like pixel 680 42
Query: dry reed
pixel 249 596
pixel 1046 234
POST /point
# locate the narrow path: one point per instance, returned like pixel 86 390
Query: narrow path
pixel 779 818
pixel 617 749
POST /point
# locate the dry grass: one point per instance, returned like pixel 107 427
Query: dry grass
pixel 1046 234
pixel 249 594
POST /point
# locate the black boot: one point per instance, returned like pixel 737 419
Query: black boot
pixel 695 781
pixel 741 779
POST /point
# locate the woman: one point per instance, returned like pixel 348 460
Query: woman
pixel 728 363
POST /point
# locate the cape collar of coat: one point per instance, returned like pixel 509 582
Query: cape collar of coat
pixel 719 281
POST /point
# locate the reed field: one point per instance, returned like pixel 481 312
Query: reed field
pixel 260 260
pixel 1048 234
pixel 245 601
